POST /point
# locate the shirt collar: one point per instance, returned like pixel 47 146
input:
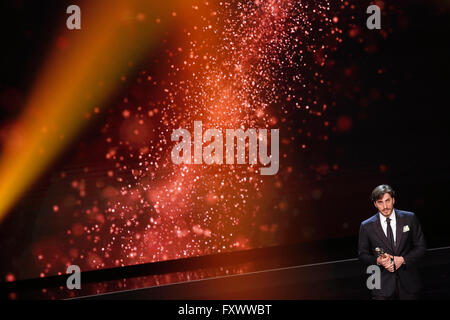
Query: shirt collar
pixel 392 216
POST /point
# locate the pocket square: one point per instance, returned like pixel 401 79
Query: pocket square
pixel 406 228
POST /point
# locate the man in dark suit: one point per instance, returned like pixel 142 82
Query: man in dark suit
pixel 400 235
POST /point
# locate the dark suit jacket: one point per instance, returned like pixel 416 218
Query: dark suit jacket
pixel 409 244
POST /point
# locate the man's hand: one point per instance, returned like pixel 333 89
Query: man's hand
pixel 399 261
pixel 383 260
pixel 386 262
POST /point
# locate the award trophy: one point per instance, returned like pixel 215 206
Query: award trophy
pixel 380 252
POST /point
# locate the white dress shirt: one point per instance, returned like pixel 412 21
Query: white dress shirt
pixel 393 223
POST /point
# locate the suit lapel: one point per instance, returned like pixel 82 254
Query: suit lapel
pixel 399 231
pixel 379 231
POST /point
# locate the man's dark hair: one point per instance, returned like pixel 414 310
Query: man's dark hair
pixel 379 191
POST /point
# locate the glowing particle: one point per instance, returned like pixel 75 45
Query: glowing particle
pixel 126 113
pixel 10 277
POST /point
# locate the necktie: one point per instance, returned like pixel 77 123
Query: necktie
pixel 390 234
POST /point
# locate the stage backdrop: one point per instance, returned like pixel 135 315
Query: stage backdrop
pixel 88 170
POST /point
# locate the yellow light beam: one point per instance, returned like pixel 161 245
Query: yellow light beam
pixel 73 81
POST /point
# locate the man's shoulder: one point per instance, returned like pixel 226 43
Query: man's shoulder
pixel 370 220
pixel 404 214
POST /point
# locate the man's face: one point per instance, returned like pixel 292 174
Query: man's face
pixel 385 204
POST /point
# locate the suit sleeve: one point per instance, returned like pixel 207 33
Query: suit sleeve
pixel 364 248
pixel 418 244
